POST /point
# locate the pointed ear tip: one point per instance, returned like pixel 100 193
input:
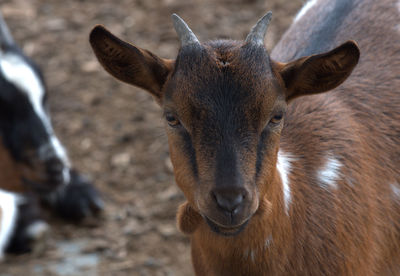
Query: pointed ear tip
pixel 175 17
pixel 352 43
pixel 97 32
pixel 353 47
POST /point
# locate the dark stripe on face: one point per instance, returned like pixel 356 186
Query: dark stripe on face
pixel 189 151
pixel 261 149
pixel 227 173
pixel 217 102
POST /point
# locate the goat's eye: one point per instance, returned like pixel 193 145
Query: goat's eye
pixel 172 120
pixel 276 119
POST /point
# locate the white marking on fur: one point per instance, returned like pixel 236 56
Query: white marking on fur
pixel 284 167
pixel 17 71
pixel 328 175
pixel 37 230
pixel 268 242
pixel 8 217
pixel 305 9
pixel 62 154
pixel 395 189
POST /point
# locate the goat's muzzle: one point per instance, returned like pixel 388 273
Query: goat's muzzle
pixel 46 169
pixel 228 210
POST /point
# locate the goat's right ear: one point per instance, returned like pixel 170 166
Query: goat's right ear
pixel 319 73
pixel 128 63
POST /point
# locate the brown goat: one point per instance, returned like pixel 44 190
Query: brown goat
pixel 278 184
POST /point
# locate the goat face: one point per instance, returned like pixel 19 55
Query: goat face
pixel 224 110
pixel 25 126
pixel 224 104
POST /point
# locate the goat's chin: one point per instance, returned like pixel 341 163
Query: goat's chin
pixel 226 231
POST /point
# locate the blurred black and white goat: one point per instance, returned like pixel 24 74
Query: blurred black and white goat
pixel 34 166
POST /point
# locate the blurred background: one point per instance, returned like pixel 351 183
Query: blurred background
pixel 114 132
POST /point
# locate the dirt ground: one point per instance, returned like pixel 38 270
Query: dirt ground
pixel 114 132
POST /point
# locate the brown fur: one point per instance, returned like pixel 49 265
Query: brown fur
pixel 13 172
pixel 10 178
pixel 353 229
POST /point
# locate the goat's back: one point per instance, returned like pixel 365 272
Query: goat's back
pixel 351 134
pixel 366 108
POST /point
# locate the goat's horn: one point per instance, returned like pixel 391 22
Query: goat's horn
pixel 5 36
pixel 184 32
pixel 259 30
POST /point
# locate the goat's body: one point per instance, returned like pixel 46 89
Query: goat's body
pixel 338 210
pixel 315 191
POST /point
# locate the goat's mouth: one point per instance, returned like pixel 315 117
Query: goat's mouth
pixel 226 230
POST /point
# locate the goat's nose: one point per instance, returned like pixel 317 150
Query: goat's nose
pixel 56 171
pixel 229 201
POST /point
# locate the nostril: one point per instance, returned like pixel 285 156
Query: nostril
pixel 228 202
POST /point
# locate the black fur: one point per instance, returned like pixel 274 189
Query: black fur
pixel 189 150
pixel 28 213
pixel 20 127
pixel 74 202
pixel 77 200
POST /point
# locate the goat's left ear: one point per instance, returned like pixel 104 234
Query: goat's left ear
pixel 319 73
pixel 129 63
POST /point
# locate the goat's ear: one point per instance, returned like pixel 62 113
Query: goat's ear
pixel 319 73
pixel 128 63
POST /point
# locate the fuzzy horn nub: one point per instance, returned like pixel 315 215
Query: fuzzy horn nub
pixel 184 32
pixel 6 39
pixel 257 33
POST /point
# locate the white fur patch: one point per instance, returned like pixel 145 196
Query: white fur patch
pixel 268 242
pixel 329 174
pixel 396 190
pixel 37 230
pixel 8 217
pixel 249 253
pixel 18 72
pixel 62 154
pixel 305 9
pixel 283 165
